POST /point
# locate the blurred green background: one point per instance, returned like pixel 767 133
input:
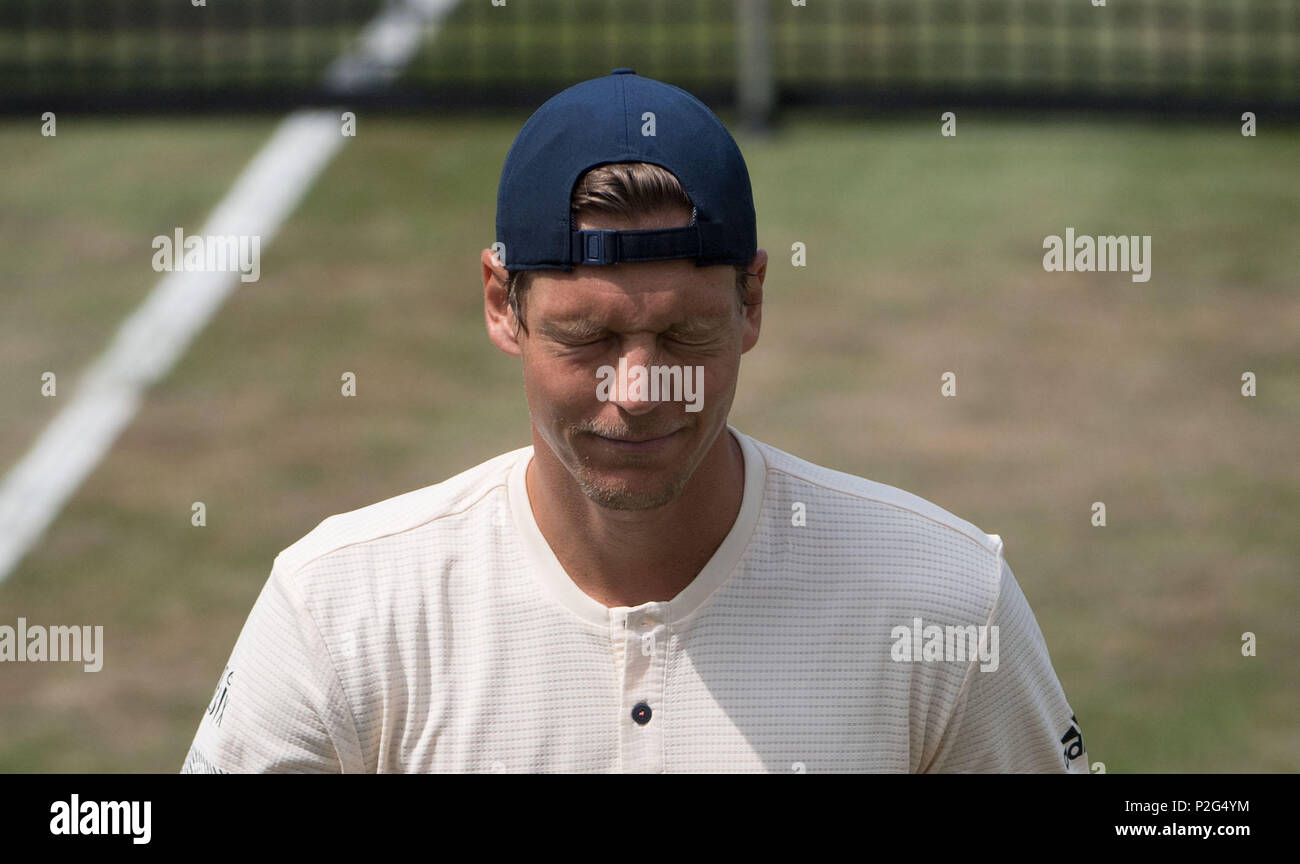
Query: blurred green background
pixel 924 256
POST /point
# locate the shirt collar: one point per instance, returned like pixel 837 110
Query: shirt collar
pixel 557 583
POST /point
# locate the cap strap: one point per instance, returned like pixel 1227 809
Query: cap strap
pixel 603 247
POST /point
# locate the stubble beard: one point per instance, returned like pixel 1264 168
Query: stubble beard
pixel 619 494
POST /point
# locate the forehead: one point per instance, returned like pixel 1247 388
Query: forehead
pixel 627 295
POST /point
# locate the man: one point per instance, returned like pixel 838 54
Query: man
pixel 644 589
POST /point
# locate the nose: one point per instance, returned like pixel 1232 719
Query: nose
pixel 633 393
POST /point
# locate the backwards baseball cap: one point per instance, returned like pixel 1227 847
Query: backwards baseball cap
pixel 623 117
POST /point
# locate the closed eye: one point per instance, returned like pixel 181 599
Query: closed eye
pixel 697 339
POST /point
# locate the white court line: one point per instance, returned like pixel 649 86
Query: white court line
pixel 154 337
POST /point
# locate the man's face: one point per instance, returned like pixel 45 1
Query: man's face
pixel 628 452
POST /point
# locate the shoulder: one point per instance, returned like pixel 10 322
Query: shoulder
pixel 397 521
pixel 885 534
pixel 788 472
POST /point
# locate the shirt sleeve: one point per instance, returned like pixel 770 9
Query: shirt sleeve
pixel 278 706
pixel 1012 718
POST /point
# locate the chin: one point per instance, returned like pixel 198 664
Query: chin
pixel 614 494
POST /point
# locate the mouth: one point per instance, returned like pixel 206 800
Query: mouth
pixel 636 443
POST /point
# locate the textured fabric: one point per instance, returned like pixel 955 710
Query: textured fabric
pixel 437 632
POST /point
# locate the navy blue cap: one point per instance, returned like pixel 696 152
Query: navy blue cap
pixel 601 121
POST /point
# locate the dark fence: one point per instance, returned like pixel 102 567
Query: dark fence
pixel 253 54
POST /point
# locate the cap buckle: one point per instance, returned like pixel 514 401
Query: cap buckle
pixel 599 246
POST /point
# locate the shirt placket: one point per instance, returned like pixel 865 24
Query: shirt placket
pixel 641 632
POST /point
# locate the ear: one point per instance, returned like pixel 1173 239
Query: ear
pixel 502 326
pixel 754 300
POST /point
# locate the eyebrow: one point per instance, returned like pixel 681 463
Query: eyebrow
pixel 577 330
pixel 586 329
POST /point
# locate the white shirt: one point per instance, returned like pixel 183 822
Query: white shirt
pixel 437 632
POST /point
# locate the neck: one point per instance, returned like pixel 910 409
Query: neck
pixel 630 557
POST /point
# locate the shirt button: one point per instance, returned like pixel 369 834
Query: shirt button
pixel 641 713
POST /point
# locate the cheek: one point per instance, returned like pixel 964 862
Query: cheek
pixel 719 383
pixel 558 386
